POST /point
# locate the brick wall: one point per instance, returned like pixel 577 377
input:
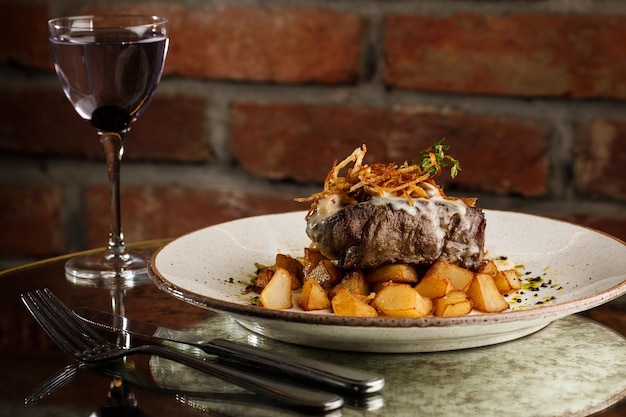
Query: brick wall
pixel 258 99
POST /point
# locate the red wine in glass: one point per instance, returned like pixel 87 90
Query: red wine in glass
pixel 109 68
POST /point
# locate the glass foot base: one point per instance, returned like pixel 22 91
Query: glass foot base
pixel 109 270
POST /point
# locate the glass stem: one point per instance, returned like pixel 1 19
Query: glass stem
pixel 113 144
pixel 118 295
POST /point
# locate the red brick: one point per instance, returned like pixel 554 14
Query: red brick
pixel 515 54
pixel 31 221
pixel 56 129
pixel 600 159
pixel 162 212
pixel 24 34
pixel 300 142
pixel 287 45
pixel 172 127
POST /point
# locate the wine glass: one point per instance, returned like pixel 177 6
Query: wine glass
pixel 109 68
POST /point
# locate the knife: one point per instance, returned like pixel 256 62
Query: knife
pixel 327 375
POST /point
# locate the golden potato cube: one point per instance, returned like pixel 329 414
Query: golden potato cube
pixel 401 273
pixel 293 266
pixel 377 286
pixel 354 281
pixel 434 286
pixel 459 277
pixel 507 281
pixel 485 295
pixel 326 273
pixel 454 304
pixel 490 268
pixel 402 300
pixel 277 293
pixel 312 257
pixel 313 296
pixel 345 303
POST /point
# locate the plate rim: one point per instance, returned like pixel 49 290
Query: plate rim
pixel 551 312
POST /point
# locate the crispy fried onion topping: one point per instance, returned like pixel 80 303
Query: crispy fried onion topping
pixel 363 181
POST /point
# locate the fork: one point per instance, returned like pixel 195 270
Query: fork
pixel 83 343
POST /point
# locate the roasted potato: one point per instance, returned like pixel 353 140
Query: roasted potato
pixel 311 258
pixel 313 296
pixel 292 265
pixel 277 294
pixel 459 277
pixel 434 286
pixel 485 295
pixel 507 281
pixel 354 281
pixel 453 304
pixel 400 273
pixel 490 268
pixel 326 273
pixel 377 286
pixel 344 303
pixel 402 300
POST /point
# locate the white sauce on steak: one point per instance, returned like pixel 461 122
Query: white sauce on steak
pixel 328 206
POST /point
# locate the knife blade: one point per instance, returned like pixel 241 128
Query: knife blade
pixel 327 375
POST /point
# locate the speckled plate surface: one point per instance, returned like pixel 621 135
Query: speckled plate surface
pixel 578 268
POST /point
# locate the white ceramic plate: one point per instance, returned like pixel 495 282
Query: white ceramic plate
pixel 580 268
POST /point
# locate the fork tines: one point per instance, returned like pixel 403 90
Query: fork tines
pixel 67 330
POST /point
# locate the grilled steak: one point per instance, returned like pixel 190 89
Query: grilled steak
pixel 371 234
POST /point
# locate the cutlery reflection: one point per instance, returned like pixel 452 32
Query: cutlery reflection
pixel 53 383
pixel 327 375
pixel 127 372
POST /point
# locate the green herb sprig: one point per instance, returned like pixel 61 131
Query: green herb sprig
pixel 432 160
